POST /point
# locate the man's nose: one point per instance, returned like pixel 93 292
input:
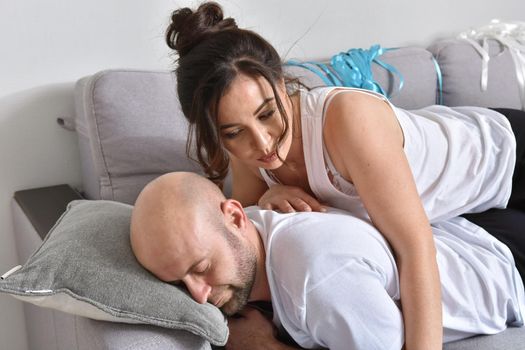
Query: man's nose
pixel 199 289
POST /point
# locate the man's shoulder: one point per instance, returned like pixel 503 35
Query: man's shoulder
pixel 312 230
pixel 303 244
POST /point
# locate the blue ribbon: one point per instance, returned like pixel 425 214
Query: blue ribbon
pixel 351 68
pixel 439 97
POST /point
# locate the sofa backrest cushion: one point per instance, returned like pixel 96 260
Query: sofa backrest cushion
pixel 461 67
pixel 417 69
pixel 130 129
pixel 419 73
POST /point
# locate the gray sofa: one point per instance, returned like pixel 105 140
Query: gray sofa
pixel 130 130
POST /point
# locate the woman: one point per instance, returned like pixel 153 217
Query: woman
pixel 348 148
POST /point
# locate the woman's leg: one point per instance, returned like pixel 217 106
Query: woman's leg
pixel 506 225
pixel 517 121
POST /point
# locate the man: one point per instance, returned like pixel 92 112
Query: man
pixel 331 277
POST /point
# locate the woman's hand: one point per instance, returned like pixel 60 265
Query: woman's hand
pixel 252 331
pixel 289 199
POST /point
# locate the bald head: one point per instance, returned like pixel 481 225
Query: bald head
pixel 167 211
pixel 183 230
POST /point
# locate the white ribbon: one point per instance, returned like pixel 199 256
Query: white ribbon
pixel 10 272
pixel 509 34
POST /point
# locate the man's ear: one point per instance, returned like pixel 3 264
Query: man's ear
pixel 234 215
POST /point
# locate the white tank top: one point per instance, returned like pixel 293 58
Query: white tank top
pixel 462 158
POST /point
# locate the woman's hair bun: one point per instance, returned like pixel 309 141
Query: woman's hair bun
pixel 188 28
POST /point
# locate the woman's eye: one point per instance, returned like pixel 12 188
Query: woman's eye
pixel 267 115
pixel 232 134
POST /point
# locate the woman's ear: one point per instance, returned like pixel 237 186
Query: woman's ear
pixel 234 215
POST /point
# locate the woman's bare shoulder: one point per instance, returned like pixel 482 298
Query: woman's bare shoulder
pixel 355 101
pixel 359 111
pixel 356 123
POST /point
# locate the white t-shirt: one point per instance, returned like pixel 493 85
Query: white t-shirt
pixel 462 158
pixel 334 280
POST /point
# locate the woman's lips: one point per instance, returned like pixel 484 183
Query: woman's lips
pixel 269 158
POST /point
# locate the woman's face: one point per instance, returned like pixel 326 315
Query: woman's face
pixel 250 123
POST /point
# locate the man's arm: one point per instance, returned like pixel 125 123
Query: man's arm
pixel 253 331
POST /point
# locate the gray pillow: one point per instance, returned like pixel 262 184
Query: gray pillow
pixel 85 266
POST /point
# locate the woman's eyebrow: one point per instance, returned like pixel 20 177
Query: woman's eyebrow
pixel 266 100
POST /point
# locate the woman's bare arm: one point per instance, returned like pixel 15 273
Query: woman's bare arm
pixel 365 143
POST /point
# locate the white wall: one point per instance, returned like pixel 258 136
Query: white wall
pixel 45 46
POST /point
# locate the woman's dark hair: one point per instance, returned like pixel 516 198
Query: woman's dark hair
pixel 212 52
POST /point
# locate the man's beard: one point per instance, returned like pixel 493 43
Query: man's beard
pixel 246 262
